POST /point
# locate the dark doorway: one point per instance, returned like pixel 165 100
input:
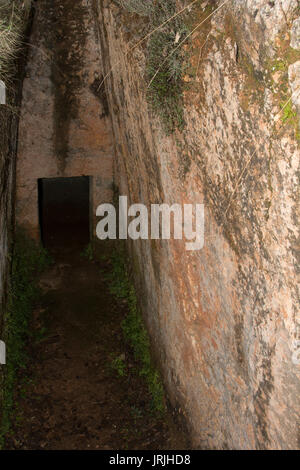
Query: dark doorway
pixel 64 212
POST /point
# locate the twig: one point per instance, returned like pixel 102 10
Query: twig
pixel 200 55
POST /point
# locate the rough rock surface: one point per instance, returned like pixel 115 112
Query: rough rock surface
pixel 295 34
pixel 294 80
pixel 224 319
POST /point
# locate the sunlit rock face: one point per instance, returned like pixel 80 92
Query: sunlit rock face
pixel 223 320
pixel 295 34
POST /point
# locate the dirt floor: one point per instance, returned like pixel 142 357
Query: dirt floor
pixel 71 396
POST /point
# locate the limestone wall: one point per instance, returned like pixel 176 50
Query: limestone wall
pixel 224 320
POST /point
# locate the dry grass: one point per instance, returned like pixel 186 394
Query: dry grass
pixel 141 7
pixel 13 16
pixel 165 59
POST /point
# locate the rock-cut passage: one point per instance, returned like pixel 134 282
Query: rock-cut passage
pixel 82 388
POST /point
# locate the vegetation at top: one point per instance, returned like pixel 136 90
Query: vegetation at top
pixel 165 60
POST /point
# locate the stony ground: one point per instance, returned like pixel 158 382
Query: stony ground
pixel 71 396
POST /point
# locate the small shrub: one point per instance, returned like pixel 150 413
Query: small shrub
pixel 118 365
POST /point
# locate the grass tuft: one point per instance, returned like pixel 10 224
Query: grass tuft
pixel 13 16
pixel 118 365
pixel 140 7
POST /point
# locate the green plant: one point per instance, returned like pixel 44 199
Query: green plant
pixel 134 329
pixel 88 252
pixel 136 334
pixel 279 65
pixel 278 71
pixel 118 365
pixel 28 261
pixel 290 116
pixel 136 413
pixel 288 113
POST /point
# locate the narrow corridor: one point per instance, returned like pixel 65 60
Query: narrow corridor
pixel 74 396
pixel 164 106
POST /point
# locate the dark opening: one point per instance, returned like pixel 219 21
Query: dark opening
pixel 64 212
